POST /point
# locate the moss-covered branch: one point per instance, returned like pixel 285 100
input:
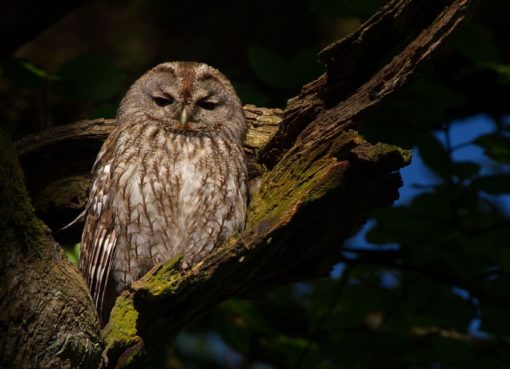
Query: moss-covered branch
pixel 319 179
pixel 324 178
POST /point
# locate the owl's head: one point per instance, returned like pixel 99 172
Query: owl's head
pixel 187 98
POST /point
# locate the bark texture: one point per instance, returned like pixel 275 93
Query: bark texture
pixel 46 316
pixel 319 179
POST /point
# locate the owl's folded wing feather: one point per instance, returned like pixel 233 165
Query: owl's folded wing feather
pixel 99 240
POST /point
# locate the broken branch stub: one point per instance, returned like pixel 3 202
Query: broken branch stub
pixel 323 180
pixel 320 178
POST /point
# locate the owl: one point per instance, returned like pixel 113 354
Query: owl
pixel 171 178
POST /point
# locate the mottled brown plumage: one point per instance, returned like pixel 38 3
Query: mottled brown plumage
pixel 169 180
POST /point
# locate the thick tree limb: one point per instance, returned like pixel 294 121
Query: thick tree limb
pixel 46 315
pixel 322 180
pixel 356 78
pixel 306 206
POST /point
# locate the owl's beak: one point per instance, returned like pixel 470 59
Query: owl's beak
pixel 184 117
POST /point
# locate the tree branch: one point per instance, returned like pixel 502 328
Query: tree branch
pixel 319 179
pixel 316 193
pixel 357 78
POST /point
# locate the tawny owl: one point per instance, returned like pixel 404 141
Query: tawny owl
pixel 169 180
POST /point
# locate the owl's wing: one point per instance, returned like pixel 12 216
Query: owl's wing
pixel 99 239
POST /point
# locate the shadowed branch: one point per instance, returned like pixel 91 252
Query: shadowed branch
pixel 319 179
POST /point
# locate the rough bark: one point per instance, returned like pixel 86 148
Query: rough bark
pixel 319 180
pixel 46 315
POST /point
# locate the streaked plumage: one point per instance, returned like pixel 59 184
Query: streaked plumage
pixel 170 179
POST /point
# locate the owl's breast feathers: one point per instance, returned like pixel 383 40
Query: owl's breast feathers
pixel 169 180
pixel 156 195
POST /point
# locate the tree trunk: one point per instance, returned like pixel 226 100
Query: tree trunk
pixel 47 318
pixel 319 179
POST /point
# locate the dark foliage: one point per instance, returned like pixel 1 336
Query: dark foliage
pixel 429 288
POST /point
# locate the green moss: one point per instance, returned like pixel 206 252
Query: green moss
pixel 162 279
pixel 296 181
pixel 121 332
pixel 306 177
pixel 402 157
pixel 309 176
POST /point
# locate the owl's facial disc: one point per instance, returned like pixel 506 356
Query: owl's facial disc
pixel 188 98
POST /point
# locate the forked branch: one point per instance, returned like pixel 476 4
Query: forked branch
pixel 319 178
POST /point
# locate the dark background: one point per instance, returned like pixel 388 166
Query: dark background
pixel 425 284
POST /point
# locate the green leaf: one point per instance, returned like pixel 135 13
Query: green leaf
pixel 476 44
pixel 72 252
pixel 397 225
pixel 427 103
pixel 91 78
pixel 236 335
pixel 434 155
pixel 105 110
pixel 275 71
pixel 489 245
pixel 292 348
pixel 432 303
pixel 22 73
pixel 305 67
pixel 503 71
pixel 495 320
pixel 465 169
pixel 251 316
pixel 496 146
pixel 494 184
pixel 249 94
pixel 434 94
pixel 270 67
pixel 431 100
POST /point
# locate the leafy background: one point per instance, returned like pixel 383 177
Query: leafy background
pixel 424 284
